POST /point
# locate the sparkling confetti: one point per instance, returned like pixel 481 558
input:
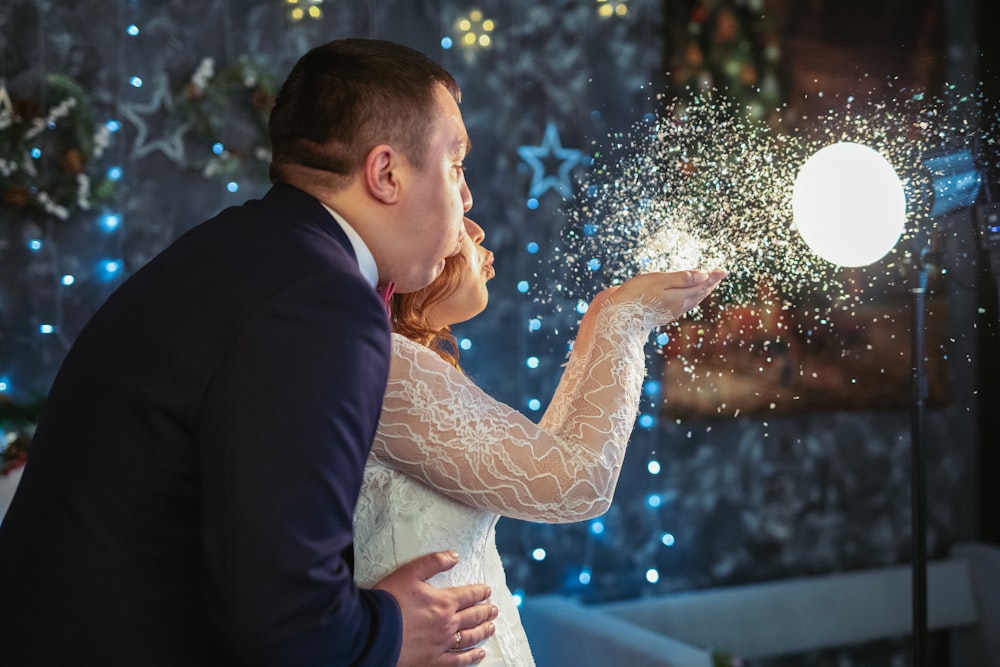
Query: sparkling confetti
pixel 701 185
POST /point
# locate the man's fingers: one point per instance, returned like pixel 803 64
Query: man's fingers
pixel 476 624
pixel 461 658
pixel 476 616
pixel 469 638
pixel 426 566
pixel 470 595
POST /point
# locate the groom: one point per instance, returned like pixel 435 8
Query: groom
pixel 190 490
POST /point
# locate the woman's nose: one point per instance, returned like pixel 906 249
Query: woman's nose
pixel 466 198
pixel 474 231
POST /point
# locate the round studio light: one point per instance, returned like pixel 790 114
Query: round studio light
pixel 848 204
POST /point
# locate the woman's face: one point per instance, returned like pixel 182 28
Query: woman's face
pixel 470 296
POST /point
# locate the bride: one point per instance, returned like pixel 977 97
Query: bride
pixel 448 460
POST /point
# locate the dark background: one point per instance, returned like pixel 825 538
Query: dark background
pixel 757 495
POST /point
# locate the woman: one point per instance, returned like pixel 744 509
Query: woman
pixel 448 460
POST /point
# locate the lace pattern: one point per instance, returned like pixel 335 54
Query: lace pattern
pixel 448 459
pixel 439 427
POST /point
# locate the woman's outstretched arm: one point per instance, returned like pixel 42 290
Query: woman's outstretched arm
pixel 441 428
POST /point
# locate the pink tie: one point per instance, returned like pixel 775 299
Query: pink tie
pixel 386 294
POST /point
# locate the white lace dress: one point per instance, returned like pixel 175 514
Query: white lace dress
pixel 448 460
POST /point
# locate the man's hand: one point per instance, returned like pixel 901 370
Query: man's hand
pixel 439 624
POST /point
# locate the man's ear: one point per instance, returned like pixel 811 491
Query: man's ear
pixel 381 173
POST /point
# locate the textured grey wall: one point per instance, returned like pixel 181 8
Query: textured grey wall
pixel 738 498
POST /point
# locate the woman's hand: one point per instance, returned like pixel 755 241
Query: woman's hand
pixel 669 294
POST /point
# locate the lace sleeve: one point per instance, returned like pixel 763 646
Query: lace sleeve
pixel 439 427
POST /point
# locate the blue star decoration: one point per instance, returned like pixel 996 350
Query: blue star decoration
pixel 550 150
pixel 156 126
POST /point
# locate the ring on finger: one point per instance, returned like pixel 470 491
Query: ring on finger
pixel 458 640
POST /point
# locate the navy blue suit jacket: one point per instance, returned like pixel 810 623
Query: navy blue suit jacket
pixel 189 494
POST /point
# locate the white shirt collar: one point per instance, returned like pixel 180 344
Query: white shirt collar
pixel 366 261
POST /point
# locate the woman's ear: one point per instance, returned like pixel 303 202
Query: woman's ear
pixel 381 173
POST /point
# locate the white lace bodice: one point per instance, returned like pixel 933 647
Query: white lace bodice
pixel 448 460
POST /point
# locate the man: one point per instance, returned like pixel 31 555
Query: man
pixel 189 494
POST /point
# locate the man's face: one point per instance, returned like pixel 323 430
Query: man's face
pixel 435 198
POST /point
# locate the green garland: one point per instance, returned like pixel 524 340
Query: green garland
pixel 49 147
pixel 212 102
pixel 730 46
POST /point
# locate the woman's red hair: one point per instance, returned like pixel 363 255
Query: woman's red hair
pixel 409 312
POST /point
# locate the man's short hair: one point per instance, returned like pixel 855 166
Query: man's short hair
pixel 345 97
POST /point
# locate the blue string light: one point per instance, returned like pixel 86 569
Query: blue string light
pixel 109 222
pixel 110 268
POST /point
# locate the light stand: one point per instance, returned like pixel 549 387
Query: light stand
pixel 844 188
pixel 988 219
pixel 918 482
pixel 955 184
